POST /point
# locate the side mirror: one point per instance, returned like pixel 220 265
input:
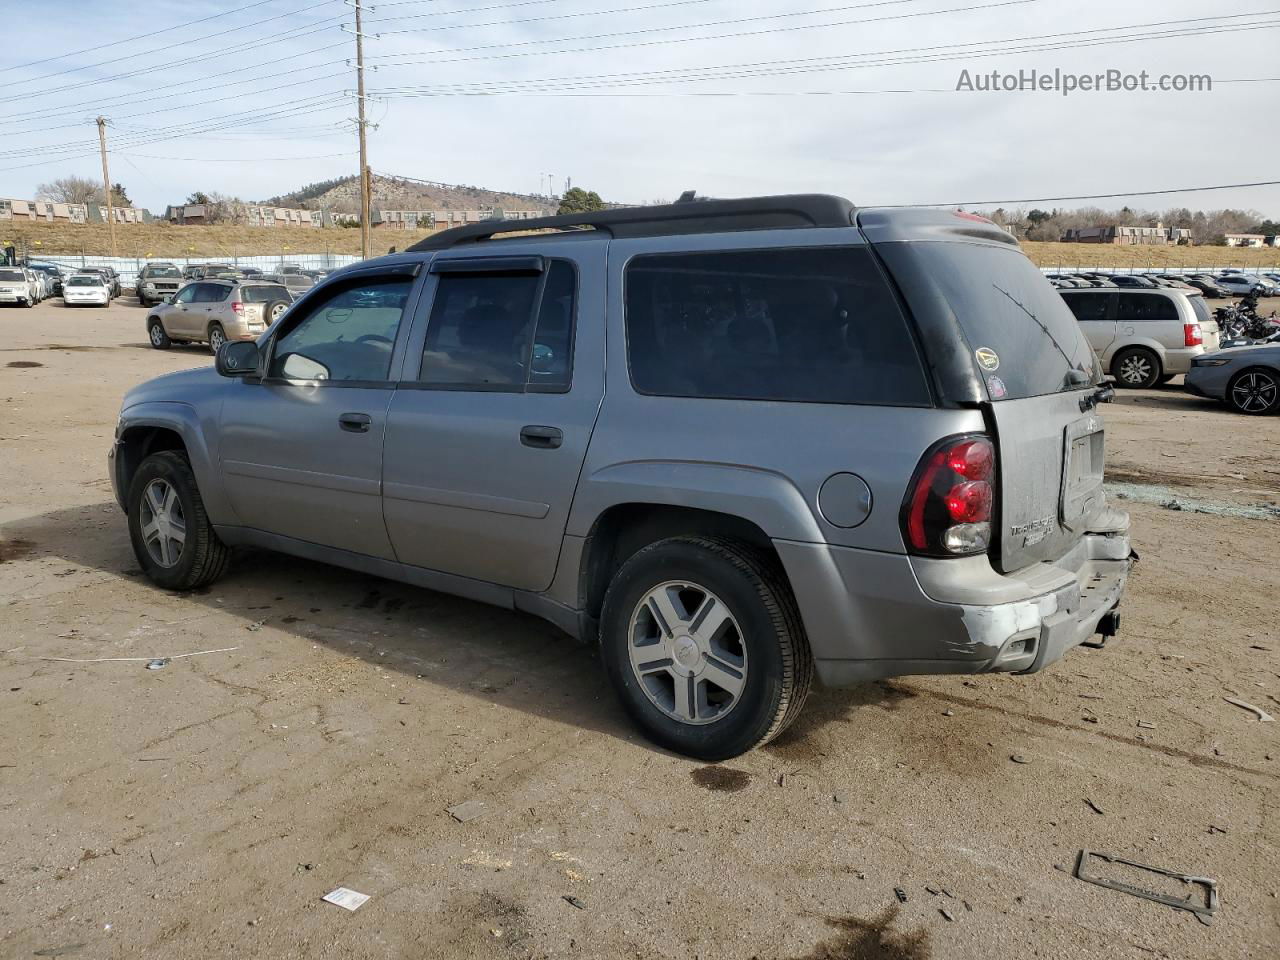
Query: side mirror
pixel 238 358
pixel 167 299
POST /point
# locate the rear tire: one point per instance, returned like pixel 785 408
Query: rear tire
pixel 1255 392
pixel 217 337
pixel 675 697
pixel 155 333
pixel 164 485
pixel 1136 368
pixel 274 309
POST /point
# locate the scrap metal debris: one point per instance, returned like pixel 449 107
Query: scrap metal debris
pixel 1094 807
pixel 1201 901
pixel 146 660
pixel 467 810
pixel 159 663
pixel 900 894
pixel 1019 758
pixel 1263 716
pixel 946 914
pixel 574 902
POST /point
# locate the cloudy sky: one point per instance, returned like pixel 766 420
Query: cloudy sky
pixel 642 99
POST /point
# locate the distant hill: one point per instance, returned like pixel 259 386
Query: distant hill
pixel 342 195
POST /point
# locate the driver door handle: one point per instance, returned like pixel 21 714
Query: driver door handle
pixel 355 422
pixel 541 438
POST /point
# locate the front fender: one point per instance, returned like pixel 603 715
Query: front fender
pixel 765 498
pixel 199 436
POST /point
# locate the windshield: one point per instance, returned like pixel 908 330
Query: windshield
pixel 1023 340
pixel 12 275
pixel 169 272
pixel 84 282
pixel 264 293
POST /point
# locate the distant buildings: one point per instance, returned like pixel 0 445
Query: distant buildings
pixel 51 211
pixel 432 219
pixel 1246 240
pixel 1115 233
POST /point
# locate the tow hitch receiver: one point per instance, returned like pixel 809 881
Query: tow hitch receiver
pixel 1108 627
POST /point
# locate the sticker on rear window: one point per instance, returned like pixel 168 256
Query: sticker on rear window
pixel 988 359
pixel 997 388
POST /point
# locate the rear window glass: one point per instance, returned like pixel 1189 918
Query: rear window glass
pixel 1200 309
pixel 12 275
pixel 1022 338
pixel 264 293
pixel 817 325
pixel 85 282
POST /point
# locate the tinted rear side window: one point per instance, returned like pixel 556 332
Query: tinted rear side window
pixel 1200 309
pixel 263 293
pixel 1145 306
pixel 817 325
pixel 1090 306
pixel 1022 339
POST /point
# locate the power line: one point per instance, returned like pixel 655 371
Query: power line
pixel 149 33
pixel 145 53
pixel 318 156
pixel 1092 196
pixel 792 66
pixel 720 23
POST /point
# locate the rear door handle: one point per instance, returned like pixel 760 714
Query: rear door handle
pixel 541 438
pixel 355 422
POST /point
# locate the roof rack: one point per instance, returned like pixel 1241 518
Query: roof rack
pixel 687 215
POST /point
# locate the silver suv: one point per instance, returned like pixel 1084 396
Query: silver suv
pixel 1144 337
pixel 736 442
pixel 215 311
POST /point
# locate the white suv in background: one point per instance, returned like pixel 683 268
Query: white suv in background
pixel 1144 337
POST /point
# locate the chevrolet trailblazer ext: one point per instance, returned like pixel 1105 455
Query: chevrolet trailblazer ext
pixel 736 442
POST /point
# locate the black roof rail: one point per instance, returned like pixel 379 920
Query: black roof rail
pixel 682 217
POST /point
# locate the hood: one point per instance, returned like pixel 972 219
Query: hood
pixel 184 386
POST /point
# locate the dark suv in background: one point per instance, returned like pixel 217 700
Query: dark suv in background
pixel 738 443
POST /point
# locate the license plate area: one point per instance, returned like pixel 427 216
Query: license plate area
pixel 1083 457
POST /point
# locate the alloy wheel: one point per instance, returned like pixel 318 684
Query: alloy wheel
pixel 687 652
pixel 1255 392
pixel 164 527
pixel 1135 369
pixel 216 339
pixel 157 334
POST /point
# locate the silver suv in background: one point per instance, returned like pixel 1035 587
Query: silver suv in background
pixel 157 281
pixel 736 442
pixel 215 311
pixel 18 286
pixel 1144 337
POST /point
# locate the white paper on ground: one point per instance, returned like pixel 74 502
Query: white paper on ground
pixel 347 899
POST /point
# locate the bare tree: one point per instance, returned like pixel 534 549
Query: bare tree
pixel 71 190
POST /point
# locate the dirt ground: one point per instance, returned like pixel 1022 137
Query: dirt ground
pixel 202 810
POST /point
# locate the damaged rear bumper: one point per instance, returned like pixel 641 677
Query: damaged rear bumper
pixel 873 617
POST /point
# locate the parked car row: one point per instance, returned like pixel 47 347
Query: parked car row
pixel 1144 337
pixel 1229 283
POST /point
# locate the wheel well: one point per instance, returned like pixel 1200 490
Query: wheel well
pixel 138 443
pixel 624 529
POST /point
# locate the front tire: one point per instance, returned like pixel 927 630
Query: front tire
pixel 155 333
pixel 702 640
pixel 1136 368
pixel 1255 391
pixel 172 538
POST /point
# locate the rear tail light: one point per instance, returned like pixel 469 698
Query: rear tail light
pixel 237 308
pixel 1192 335
pixel 949 505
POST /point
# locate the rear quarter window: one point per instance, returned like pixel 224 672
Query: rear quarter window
pixel 1020 336
pixel 816 325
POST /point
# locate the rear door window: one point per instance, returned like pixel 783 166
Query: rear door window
pixel 1090 306
pixel 502 331
pixel 817 325
pixel 1138 307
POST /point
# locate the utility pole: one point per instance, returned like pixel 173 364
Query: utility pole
pixel 106 182
pixel 365 183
